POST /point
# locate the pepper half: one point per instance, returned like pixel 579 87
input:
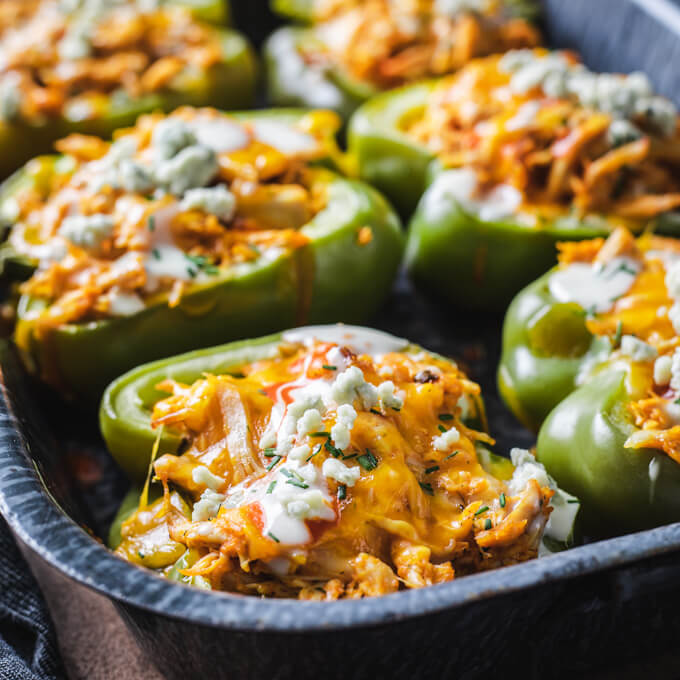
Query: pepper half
pixel 485 224
pixel 553 340
pixel 351 251
pixel 328 62
pixel 228 84
pixel 138 399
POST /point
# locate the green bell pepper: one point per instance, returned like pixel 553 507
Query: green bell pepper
pixel 333 277
pixel 581 445
pixel 125 414
pixel 298 10
pixel 385 156
pixel 293 82
pixel 230 84
pixel 470 261
pixel 546 347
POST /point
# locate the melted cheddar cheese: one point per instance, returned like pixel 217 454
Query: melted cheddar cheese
pixel 642 323
pixel 171 204
pixel 392 42
pixel 325 474
pixel 558 137
pixel 68 57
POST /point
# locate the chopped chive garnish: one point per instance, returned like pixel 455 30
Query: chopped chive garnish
pixel 342 492
pixel 487 524
pixel 427 488
pixel 275 460
pixel 156 253
pixel 502 500
pixel 319 434
pixel 484 508
pixel 451 455
pixel 445 416
pixel 141 555
pixel 677 401
pixel 211 270
pixel 329 368
pixel 377 413
pixel 298 483
pixel 270 451
pixel 333 450
pixel 395 408
pixel 368 461
pixel 270 488
pixel 271 535
pixel 573 500
pixel 315 450
pixel 429 470
pixel 351 455
pixel 618 334
pixel 151 222
pixel 192 272
pixel 441 428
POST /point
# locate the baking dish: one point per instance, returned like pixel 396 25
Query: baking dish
pixel 599 607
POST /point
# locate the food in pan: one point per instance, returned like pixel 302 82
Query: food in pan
pixel 520 151
pixel 323 463
pixel 597 341
pixel 189 230
pixel 353 50
pixel 92 66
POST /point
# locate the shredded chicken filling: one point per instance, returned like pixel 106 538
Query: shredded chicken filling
pixel 569 141
pixel 321 475
pixel 391 42
pixel 70 56
pixel 118 226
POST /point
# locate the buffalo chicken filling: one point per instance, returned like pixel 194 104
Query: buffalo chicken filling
pixel 172 203
pixel 68 57
pixel 323 474
pixel 631 293
pixel 391 42
pixel 535 134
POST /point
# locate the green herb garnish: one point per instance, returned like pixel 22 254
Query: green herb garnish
pixel 368 461
pixel 427 488
pixel 487 524
pixel 270 488
pixel 271 535
pixel 429 470
pixel 151 222
pixel 342 492
pixel 329 368
pixel 275 460
pixel 451 455
pixel 484 508
pixel 270 451
pixel 441 428
pixel 502 500
pixel 445 416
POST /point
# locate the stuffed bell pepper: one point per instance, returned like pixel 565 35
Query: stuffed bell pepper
pixel 354 50
pixel 91 66
pixel 321 463
pixel 519 152
pixel 188 230
pixel 598 339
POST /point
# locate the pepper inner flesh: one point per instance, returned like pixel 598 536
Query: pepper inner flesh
pixel 323 474
pixel 171 204
pixel 557 139
pixel 60 59
pixel 393 42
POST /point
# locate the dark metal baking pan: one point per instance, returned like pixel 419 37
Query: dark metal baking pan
pixel 605 609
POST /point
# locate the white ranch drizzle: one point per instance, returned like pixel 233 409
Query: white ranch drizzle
pixel 594 287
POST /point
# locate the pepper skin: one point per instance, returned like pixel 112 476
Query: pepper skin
pixel 385 156
pixel 338 275
pixel 581 445
pixel 473 263
pixel 545 345
pixel 229 84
